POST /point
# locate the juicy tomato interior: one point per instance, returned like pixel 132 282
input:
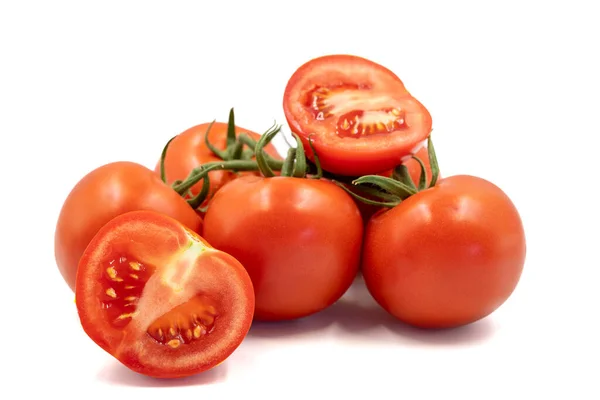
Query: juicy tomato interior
pixel 360 116
pixel 160 299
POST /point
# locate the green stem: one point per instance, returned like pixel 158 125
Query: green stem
pixel 388 204
pixel 231 129
pixel 401 174
pixel 390 185
pixel 200 172
pixel 163 156
pixel 423 176
pixel 219 153
pixel 300 166
pixel 433 162
pixel 288 163
pixel 261 156
pixel 197 200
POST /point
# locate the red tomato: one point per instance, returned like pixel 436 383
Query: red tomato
pixel 447 256
pixel 159 298
pixel 414 169
pixel 300 240
pixel 361 117
pixel 105 193
pixel 188 150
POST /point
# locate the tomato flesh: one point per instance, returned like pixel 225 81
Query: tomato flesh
pixel 360 116
pixel 161 300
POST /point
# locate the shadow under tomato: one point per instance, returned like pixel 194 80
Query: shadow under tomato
pixel 115 373
pixel 357 313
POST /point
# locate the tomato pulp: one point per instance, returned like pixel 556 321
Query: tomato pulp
pixel 159 298
pixel 446 256
pixel 105 193
pixel 359 114
pixel 300 240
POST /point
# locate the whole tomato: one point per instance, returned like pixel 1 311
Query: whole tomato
pixel 188 150
pixel 446 256
pixel 299 239
pixel 104 194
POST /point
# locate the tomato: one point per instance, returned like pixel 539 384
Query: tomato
pixel 359 114
pixel 161 300
pixel 188 150
pixel 103 194
pixel 414 170
pixel 446 256
pixel 300 240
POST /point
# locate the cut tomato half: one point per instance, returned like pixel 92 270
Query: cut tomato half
pixel 359 115
pixel 159 298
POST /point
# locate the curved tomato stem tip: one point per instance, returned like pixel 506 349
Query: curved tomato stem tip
pixel 231 129
pixel 433 162
pixel 288 163
pixel 197 200
pixel 261 156
pixel 163 156
pixel 219 153
pixel 300 166
pixel 423 176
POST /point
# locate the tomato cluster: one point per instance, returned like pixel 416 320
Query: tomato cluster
pixel 171 265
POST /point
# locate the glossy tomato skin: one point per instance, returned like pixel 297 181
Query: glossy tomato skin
pixel 300 240
pixel 103 194
pixel 188 151
pixel 160 299
pixel 447 256
pixel 328 96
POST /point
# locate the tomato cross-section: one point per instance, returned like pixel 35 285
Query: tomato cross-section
pixel 159 298
pixel 360 116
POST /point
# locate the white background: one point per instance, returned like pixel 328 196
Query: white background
pixel 513 91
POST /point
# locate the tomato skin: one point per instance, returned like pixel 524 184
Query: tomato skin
pixel 447 256
pixel 361 154
pixel 188 151
pixel 158 240
pixel 103 194
pixel 300 240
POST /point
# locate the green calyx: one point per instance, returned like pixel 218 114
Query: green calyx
pixel 390 191
pixel 238 156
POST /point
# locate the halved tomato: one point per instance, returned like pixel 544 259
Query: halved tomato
pixel 360 116
pixel 159 298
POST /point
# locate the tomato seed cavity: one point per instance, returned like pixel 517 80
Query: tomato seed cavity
pixel 360 115
pixel 123 282
pixel 185 323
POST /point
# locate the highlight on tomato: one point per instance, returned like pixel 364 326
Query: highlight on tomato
pixel 362 118
pixel 101 195
pixel 161 300
pixel 445 254
pixel 206 143
pixel 298 236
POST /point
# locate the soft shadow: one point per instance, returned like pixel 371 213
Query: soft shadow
pixel 357 312
pixel 302 326
pixel 116 373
